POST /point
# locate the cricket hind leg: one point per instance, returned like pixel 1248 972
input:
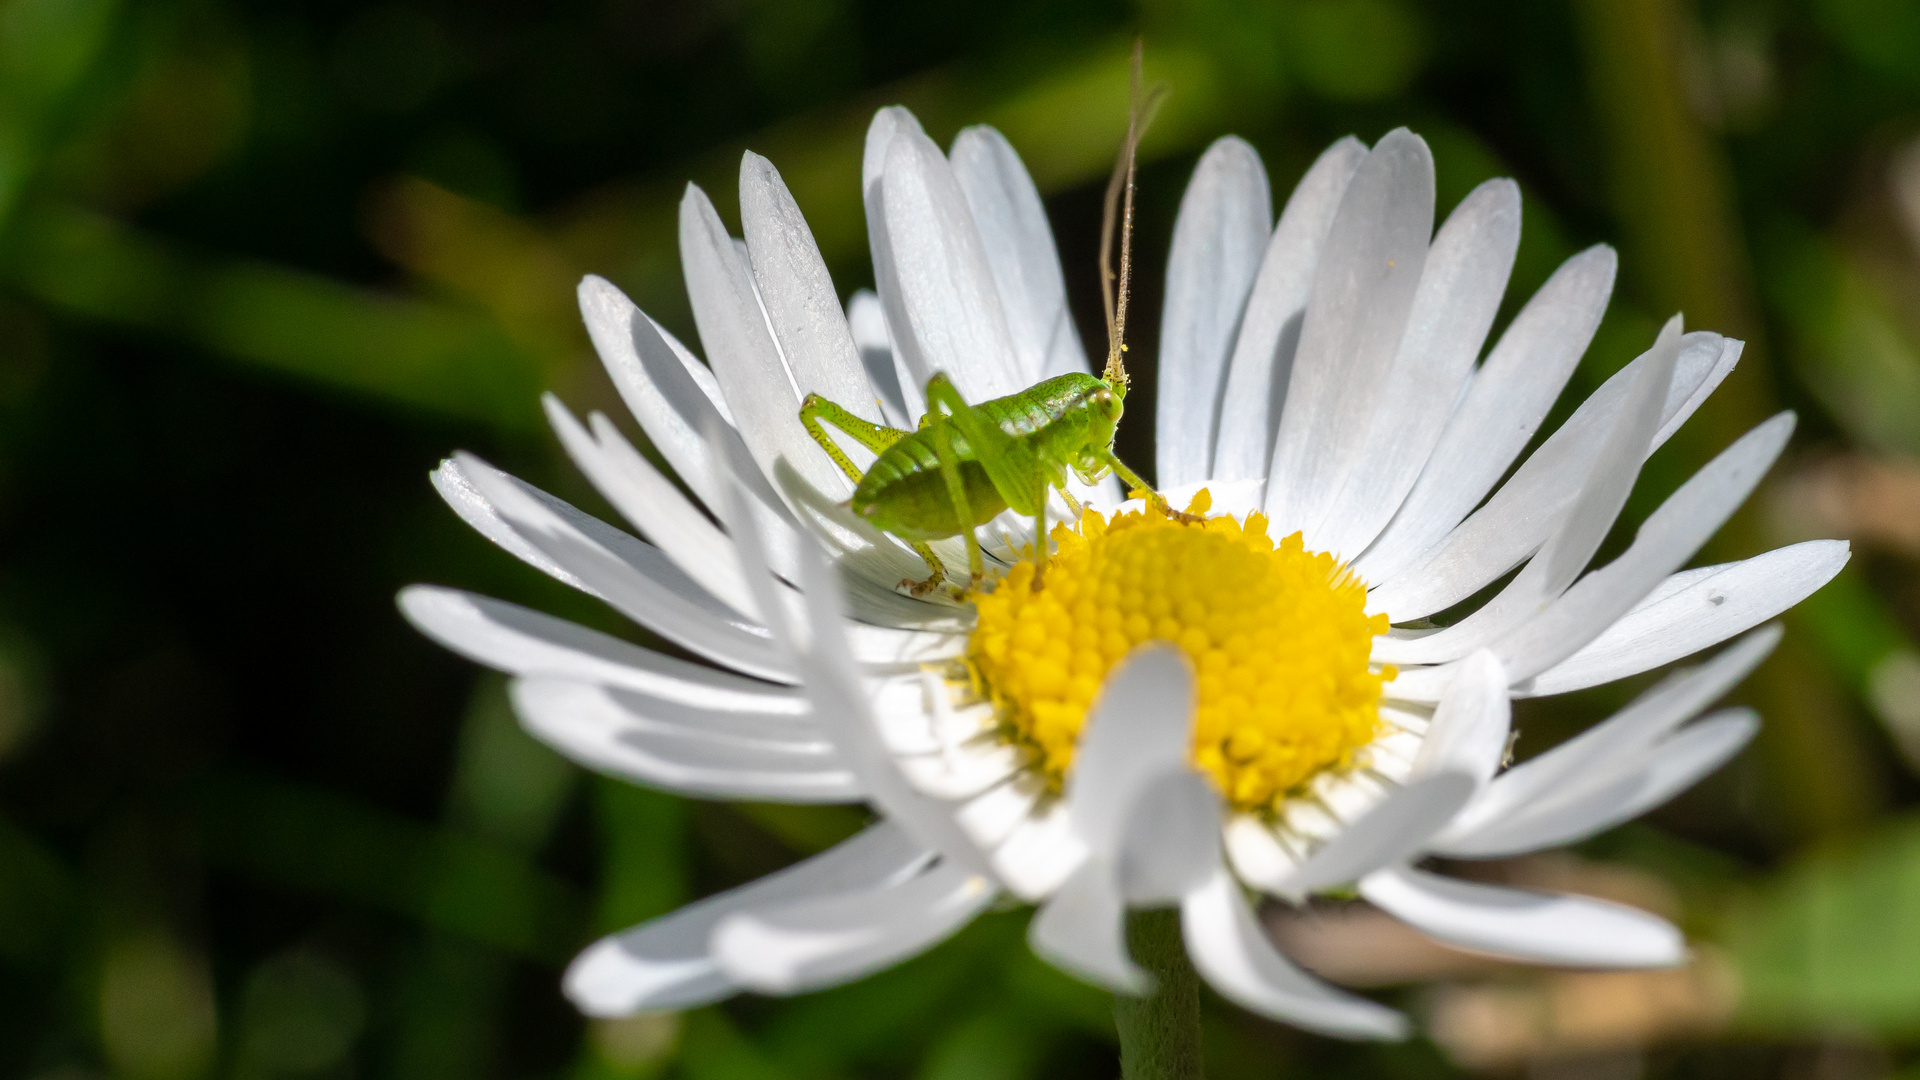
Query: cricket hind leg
pixel 815 410
pixel 939 570
pixel 874 437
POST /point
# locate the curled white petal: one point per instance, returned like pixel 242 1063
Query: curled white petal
pixel 666 963
pixel 1233 954
pixel 1538 928
pixel 825 940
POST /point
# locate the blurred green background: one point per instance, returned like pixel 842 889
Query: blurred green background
pixel 262 263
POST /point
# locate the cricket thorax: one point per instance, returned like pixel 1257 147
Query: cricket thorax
pixel 1279 638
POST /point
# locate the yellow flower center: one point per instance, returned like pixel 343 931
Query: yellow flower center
pixel 1279 638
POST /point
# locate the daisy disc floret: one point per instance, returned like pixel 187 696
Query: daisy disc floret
pixel 1279 638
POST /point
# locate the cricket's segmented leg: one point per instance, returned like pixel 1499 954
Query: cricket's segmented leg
pixel 816 409
pixel 939 570
pixel 1073 504
pixel 940 432
pixel 1158 501
pixel 1041 543
pixel 870 435
pixel 1009 464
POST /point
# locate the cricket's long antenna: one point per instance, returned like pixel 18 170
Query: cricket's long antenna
pixel 1141 107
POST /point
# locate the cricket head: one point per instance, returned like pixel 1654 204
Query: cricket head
pixel 1102 421
pixel 1105 406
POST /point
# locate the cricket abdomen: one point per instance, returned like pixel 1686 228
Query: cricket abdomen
pixel 904 493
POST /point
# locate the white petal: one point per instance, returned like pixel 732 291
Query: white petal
pixel 1470 728
pixel 1597 754
pixel 1172 839
pixel 949 317
pixel 665 963
pixel 668 412
pixel 991 817
pixel 450 480
pixel 961 772
pixel 867 322
pixel 456 486
pixel 840 707
pixel 1218 240
pixel 1504 404
pixel 801 304
pixel 1663 771
pixel 657 379
pixel 1257 854
pixel 1233 954
pixel 1531 504
pixel 748 551
pixel 1020 251
pixel 1709 610
pixel 1139 729
pixel 873 165
pixel 746 360
pixel 1040 853
pixel 649 501
pixel 827 940
pixel 521 641
pixel 588 725
pixel 1453 308
pixel 1603 491
pixel 1565 931
pixel 775 733
pixel 634 593
pixel 1082 930
pixel 674 397
pixel 1667 539
pixel 1614 469
pixel 1394 830
pixel 1362 294
pixel 700 373
pixel 1418 685
pixel 1262 361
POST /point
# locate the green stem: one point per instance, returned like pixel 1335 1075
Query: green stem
pixel 1160 1035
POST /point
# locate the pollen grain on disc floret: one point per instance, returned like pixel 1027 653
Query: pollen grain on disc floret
pixel 1279 638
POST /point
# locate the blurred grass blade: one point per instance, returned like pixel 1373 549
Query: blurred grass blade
pixel 1675 203
pixel 429 356
pixel 1834 944
pixel 47 47
pixel 40 901
pixel 321 842
pixel 1851 346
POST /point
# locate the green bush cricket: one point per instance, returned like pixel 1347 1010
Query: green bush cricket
pixel 966 463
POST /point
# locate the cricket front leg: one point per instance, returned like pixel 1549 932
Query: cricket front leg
pixel 1154 498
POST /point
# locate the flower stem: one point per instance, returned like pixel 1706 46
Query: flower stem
pixel 1160 1035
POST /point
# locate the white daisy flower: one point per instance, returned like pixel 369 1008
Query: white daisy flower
pixel 1186 715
